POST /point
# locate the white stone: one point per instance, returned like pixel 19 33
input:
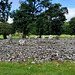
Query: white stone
pixel 22 42
pixel 50 37
pixel 35 37
pixel 33 62
pixel 43 37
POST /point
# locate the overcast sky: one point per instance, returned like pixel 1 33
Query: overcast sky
pixel 70 4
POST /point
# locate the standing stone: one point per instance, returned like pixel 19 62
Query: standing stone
pixel 20 36
pixel 65 38
pixel 10 38
pixel 50 37
pixel 43 37
pixel 57 37
pixel 35 37
pixel 72 38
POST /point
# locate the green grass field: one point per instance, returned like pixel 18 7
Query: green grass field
pixel 32 36
pixel 37 68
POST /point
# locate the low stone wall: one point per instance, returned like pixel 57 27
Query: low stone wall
pixel 41 50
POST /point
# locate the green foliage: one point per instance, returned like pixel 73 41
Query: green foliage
pixel 25 18
pixel 72 26
pixel 6 29
pixel 5 7
pixel 33 18
pixel 56 15
pixel 66 29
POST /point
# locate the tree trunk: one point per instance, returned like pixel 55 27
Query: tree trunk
pixel 24 36
pixel 4 36
pixel 24 32
pixel 40 36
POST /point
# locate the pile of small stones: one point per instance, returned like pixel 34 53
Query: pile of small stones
pixel 40 50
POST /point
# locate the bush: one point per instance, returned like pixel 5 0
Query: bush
pixel 5 29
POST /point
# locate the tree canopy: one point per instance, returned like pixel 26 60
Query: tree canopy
pixel 39 17
pixel 5 7
pixel 5 29
pixel 72 26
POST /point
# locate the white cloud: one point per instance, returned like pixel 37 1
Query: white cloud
pixel 71 13
pixel 10 20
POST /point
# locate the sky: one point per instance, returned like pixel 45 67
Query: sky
pixel 70 4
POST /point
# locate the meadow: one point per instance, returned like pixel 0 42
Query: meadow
pixel 51 68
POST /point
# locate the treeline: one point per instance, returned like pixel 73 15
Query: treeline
pixel 38 17
pixel 69 27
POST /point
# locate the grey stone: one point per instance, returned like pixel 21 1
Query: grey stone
pixel 57 37
pixel 35 37
pixel 65 38
pixel 20 36
pixel 10 38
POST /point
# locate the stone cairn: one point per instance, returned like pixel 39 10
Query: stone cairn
pixel 23 49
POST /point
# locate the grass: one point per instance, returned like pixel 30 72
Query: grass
pixel 46 36
pixel 61 36
pixel 66 68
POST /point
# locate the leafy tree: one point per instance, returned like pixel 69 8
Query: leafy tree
pixel 5 29
pixel 41 24
pixel 25 17
pixel 65 27
pixel 51 21
pixel 72 26
pixel 56 15
pixel 5 7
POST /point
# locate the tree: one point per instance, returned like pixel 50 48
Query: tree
pixel 5 29
pixel 51 21
pixel 25 17
pixel 5 7
pixel 72 26
pixel 65 27
pixel 56 15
